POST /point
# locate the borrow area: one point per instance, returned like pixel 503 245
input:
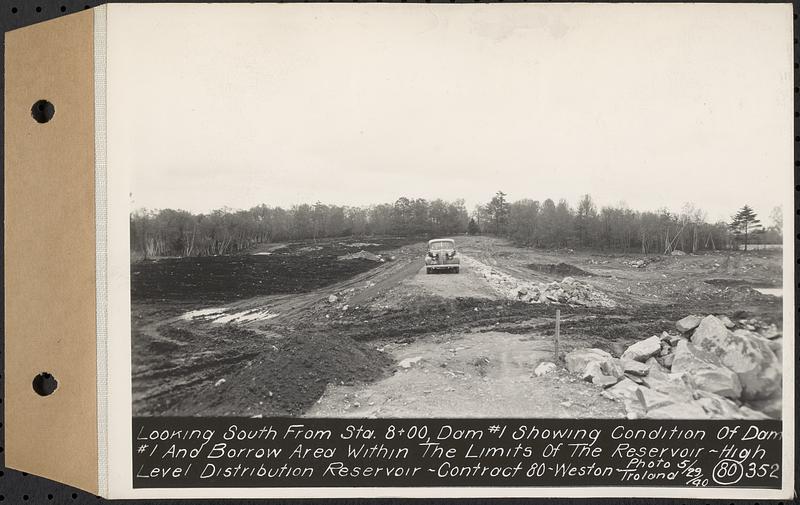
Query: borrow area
pixel 356 328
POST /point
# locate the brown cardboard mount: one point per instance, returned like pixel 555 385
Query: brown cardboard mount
pixel 67 278
pixel 50 252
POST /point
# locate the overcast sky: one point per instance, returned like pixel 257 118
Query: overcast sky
pixel 655 105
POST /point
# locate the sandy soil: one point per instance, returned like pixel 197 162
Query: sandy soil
pixel 468 375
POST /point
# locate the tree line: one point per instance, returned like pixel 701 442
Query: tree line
pixel 170 232
pixel 558 225
pixel 547 224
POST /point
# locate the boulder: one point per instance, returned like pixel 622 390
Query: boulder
pixel 625 388
pixel 689 410
pixel 748 413
pixel 670 339
pixel 745 353
pixel 604 380
pixel 576 360
pixel 635 378
pixel 720 381
pixel 726 321
pixel 544 368
pixel 612 367
pixel 678 386
pixel 653 365
pixel 777 347
pixel 771 407
pixel 706 370
pixel 717 407
pixel 678 252
pixel 409 362
pixel 333 299
pixel 635 367
pixel 591 371
pixel 652 399
pixel 633 407
pixel 688 323
pixel 643 350
pixel 770 332
pixel 617 348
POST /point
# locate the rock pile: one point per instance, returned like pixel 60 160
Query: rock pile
pixel 641 262
pixel 569 291
pixel 364 255
pixel 711 368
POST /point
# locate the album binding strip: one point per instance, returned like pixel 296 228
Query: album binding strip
pixel 50 251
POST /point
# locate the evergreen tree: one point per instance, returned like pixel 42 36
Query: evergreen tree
pixel 744 224
pixel 472 227
pixel 498 210
pixel 584 218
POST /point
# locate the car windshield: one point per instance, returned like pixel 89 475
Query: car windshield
pixel 441 245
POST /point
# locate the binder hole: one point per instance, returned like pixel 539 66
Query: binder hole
pixel 13 10
pixel 43 111
pixel 63 8
pixel 38 9
pixel 44 384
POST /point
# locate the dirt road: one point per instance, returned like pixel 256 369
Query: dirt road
pixel 465 374
pixel 468 375
pixel 465 284
pixel 385 339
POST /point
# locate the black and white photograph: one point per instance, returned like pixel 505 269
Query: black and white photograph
pixel 548 212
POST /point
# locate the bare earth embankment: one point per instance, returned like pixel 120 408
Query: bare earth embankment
pixel 322 329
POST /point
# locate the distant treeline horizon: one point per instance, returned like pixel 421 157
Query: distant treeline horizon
pixel 545 224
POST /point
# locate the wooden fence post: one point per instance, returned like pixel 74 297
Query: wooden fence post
pixel 558 331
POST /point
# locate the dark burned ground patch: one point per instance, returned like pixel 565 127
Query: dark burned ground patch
pixel 234 371
pixel 601 326
pixel 432 314
pixel 297 268
pixel 561 269
pixel 287 379
pixel 224 278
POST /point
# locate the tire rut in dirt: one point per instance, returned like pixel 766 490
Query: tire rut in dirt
pixel 277 377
